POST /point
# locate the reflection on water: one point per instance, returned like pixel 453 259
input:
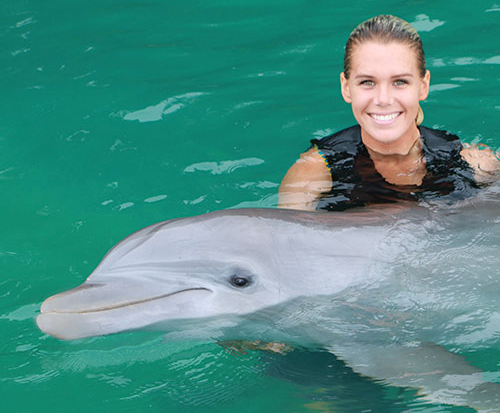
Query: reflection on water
pixel 157 112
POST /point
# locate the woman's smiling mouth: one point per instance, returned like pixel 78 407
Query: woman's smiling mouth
pixel 384 118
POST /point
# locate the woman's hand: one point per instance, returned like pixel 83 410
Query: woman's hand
pixel 484 161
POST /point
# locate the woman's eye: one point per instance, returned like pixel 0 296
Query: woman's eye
pixel 367 83
pixel 400 82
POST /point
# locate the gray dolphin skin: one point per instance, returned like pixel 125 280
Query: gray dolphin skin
pixel 395 292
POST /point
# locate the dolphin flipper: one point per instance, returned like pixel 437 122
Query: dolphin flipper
pixel 440 375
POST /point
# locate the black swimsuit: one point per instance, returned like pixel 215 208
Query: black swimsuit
pixel 356 182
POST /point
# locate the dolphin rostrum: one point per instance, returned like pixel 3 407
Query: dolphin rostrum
pixel 387 290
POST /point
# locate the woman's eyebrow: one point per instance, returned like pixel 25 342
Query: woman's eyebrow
pixel 361 75
pixel 404 75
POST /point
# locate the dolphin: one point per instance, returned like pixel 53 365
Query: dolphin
pixel 231 262
pixel 387 289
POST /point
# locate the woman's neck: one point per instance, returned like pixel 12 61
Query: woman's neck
pixel 404 167
pixel 402 147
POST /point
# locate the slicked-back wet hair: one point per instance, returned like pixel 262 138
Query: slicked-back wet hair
pixel 385 29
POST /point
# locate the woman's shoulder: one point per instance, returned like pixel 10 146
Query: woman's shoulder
pixel 438 134
pixel 440 144
pixel 345 140
pixel 482 160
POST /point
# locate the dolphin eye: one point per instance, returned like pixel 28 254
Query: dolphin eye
pixel 239 281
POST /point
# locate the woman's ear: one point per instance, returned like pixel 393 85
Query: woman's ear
pixel 424 88
pixel 344 88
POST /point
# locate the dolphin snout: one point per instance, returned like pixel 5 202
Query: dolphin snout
pixel 96 309
pixel 71 301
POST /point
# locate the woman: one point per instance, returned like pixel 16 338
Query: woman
pixel 387 156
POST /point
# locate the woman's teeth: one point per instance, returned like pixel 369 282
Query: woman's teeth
pixel 384 117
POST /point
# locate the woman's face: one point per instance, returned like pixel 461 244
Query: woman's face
pixel 384 89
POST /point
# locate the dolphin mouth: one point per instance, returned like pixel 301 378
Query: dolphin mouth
pixel 98 309
pixel 95 298
pixel 45 310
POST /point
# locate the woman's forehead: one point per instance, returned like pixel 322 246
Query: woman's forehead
pixel 384 58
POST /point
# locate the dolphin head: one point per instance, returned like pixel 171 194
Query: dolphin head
pixel 228 262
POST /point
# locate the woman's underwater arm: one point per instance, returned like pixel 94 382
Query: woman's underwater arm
pixel 484 161
pixel 304 182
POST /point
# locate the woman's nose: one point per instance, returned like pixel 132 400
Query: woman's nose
pixel 383 95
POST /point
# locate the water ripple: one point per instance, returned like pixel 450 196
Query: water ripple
pixel 37 378
pixel 25 312
pixel 24 22
pixel 217 168
pixel 203 379
pixel 155 198
pixel 423 23
pixel 156 112
pixel 465 61
pixel 493 8
pixel 443 86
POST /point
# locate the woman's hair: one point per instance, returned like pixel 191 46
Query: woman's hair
pixel 385 28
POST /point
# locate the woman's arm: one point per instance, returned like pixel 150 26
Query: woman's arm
pixel 304 182
pixel 483 160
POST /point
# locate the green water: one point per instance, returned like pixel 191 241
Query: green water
pixel 118 114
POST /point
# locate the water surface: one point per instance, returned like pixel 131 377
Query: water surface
pixel 118 114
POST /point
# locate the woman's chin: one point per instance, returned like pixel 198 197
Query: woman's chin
pixel 389 142
pixel 383 136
